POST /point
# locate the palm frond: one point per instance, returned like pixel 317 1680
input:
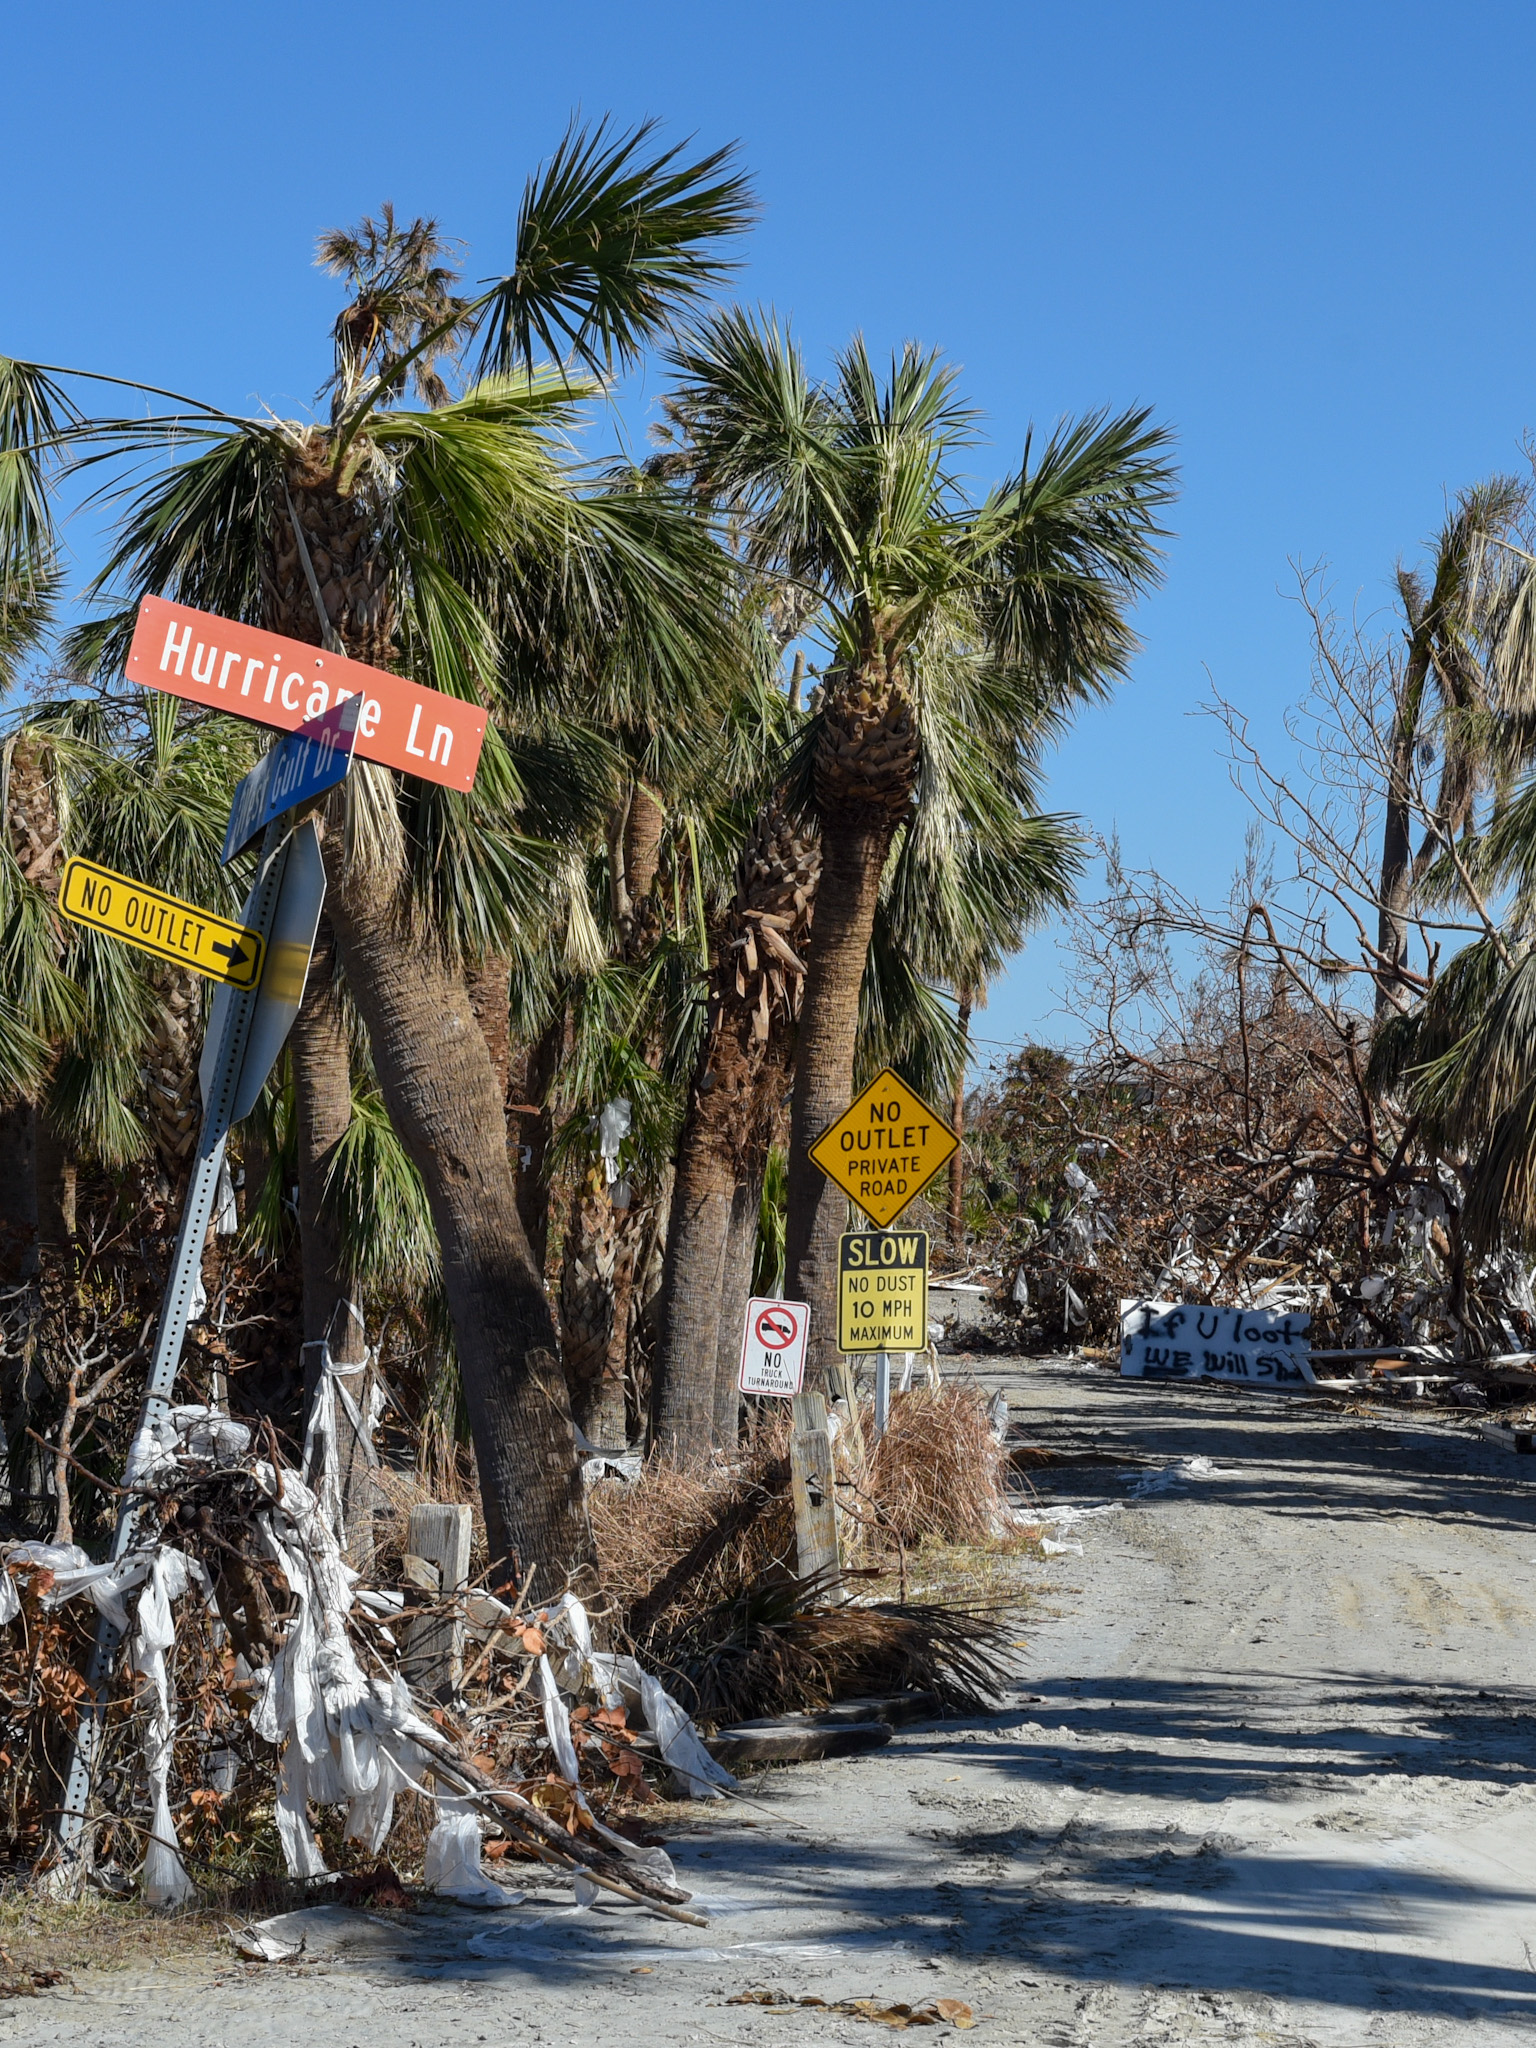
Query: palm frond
pixel 33 412
pixel 1062 546
pixel 197 531
pixel 614 243
pixel 378 1202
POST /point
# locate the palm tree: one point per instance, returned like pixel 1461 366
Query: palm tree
pixel 759 938
pixel 848 489
pixel 1442 697
pixel 454 542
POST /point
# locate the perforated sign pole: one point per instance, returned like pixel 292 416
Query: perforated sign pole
pixel 186 1266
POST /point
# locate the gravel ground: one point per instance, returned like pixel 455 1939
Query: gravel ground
pixel 1266 1778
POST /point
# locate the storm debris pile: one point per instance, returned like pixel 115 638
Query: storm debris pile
pixel 259 1704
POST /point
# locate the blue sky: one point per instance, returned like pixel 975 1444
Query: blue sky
pixel 1299 232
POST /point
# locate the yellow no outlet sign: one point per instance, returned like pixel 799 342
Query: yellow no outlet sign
pixel 884 1148
pixel 160 924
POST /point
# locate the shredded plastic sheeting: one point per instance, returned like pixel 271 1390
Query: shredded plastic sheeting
pixel 322 1434
pixel 621 1680
pixel 165 1880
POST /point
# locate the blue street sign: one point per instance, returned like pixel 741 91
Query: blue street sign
pixel 303 764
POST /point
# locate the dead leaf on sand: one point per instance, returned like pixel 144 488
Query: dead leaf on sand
pixel 933 2012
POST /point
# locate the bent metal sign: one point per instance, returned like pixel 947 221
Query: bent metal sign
pixel 281 682
pixel 1256 1347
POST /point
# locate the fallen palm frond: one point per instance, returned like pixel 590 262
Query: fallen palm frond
pixel 701 1568
pixel 778 1648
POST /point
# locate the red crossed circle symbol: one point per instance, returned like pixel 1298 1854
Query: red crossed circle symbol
pixel 776 1329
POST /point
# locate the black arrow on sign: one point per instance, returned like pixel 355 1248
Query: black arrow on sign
pixel 236 954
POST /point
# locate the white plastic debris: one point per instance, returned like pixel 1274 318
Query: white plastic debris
pixel 263 1946
pixel 625 1465
pixel 166 1882
pixel 336 1404
pixel 613 1126
pixel 1178 1474
pixel 1067 1518
pixel 226 1216
pixel 342 1737
pixel 1060 1549
pixel 387 1600
pixel 620 1680
pixel 450 1863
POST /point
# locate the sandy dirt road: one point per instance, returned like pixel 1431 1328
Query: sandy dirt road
pixel 1267 1779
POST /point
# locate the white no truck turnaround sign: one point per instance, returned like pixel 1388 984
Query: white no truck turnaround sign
pixel 1160 1340
pixel 773 1347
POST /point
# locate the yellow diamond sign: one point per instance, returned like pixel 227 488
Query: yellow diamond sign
pixel 885 1147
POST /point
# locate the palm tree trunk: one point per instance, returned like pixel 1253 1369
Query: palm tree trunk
pixel 439 1086
pixel 735 1292
pixel 587 1299
pixel 643 828
pixel 440 1089
pixel 735 1113
pixel 532 1183
pixel 683 1378
pixel 57 1181
pixel 957 1164
pixel 18 1191
pixel 853 854
pixel 488 985
pixel 610 1419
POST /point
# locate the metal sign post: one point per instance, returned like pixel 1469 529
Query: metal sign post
pixel 882 1391
pixel 223 1079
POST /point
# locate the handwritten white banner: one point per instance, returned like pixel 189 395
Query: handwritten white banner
pixel 1162 1340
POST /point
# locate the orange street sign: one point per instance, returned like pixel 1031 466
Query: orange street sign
pixel 281 682
pixel 885 1148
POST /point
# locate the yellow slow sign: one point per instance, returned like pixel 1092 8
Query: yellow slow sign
pixel 885 1147
pixel 882 1290
pixel 160 924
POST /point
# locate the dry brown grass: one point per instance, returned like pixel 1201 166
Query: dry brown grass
pixel 40 1935
pixel 694 1539
pixel 691 1540
pixel 937 1474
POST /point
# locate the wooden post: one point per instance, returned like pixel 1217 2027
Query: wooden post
pixel 812 1481
pixel 439 1535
